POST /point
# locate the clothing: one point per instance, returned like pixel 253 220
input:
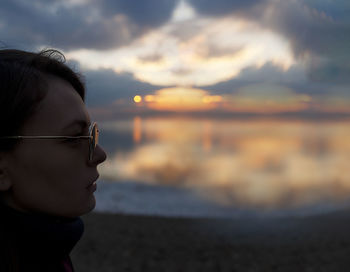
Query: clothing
pixel 39 242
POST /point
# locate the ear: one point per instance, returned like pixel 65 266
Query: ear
pixel 5 181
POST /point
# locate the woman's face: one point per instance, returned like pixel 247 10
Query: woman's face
pixel 52 175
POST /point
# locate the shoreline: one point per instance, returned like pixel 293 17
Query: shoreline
pixel 135 198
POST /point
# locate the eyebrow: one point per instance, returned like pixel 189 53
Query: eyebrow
pixel 81 123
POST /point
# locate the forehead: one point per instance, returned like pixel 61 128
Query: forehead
pixel 61 106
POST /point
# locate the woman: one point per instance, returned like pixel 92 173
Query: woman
pixel 48 161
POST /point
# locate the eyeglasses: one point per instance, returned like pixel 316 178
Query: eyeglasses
pixel 93 138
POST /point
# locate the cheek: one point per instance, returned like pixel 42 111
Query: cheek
pixel 52 180
pixel 48 170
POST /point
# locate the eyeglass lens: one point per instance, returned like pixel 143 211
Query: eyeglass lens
pixel 94 140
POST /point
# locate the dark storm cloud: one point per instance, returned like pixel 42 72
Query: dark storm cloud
pixel 97 24
pixel 150 12
pixel 339 9
pixel 104 87
pixel 221 7
pixel 318 37
pixel 320 25
pixel 293 78
pixel 309 28
pixel 317 30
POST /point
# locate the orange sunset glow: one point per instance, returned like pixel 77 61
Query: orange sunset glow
pixel 181 99
pixel 253 98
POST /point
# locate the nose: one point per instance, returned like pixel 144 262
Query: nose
pixel 99 155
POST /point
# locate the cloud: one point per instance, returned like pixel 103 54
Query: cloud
pixel 150 12
pixel 223 45
pixel 151 58
pixel 270 88
pixel 335 9
pixel 317 30
pixel 218 50
pixel 223 7
pixel 309 29
pixel 293 78
pixel 79 24
pixel 308 24
pixel 319 36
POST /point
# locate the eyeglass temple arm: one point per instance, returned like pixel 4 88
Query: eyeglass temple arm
pixel 52 137
pixel 45 137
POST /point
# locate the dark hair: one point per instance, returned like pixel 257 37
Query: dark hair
pixel 23 84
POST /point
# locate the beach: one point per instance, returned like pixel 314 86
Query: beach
pixel 121 242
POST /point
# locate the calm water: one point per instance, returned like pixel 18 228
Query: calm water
pixel 264 164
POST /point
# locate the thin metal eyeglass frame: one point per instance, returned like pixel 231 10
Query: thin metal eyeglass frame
pixel 93 138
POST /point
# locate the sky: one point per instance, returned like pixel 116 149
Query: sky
pixel 223 56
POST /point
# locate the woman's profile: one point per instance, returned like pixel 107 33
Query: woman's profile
pixel 49 154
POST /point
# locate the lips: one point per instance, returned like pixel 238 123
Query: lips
pixel 92 182
pixel 92 188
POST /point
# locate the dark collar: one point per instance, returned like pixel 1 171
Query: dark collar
pixel 54 235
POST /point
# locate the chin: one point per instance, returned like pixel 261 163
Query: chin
pixel 87 208
pixel 91 206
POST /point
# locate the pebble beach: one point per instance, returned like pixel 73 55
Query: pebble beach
pixel 121 242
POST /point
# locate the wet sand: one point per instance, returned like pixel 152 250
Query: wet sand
pixel 143 243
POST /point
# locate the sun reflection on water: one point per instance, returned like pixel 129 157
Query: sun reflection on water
pixel 271 164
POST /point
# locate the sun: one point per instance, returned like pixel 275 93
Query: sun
pixel 137 99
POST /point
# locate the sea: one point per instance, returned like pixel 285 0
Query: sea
pixel 224 167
